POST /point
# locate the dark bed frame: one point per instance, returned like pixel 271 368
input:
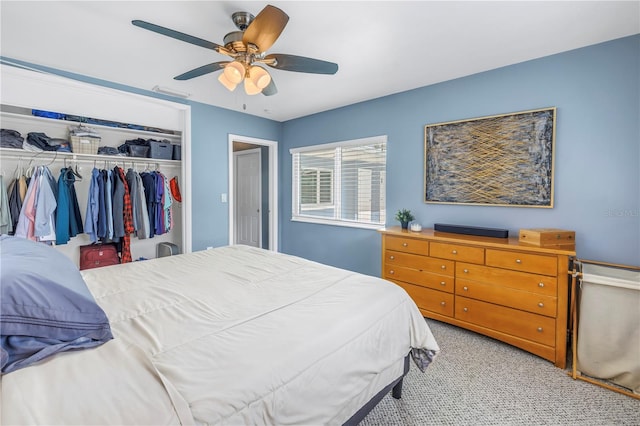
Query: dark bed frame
pixel 396 391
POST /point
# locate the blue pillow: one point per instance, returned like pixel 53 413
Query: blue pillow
pixel 45 305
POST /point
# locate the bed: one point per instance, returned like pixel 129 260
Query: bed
pixel 232 335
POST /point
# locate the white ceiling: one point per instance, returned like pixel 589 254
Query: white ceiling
pixel 381 47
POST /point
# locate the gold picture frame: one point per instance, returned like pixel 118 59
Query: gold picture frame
pixel 497 160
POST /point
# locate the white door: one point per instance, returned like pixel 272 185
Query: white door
pixel 248 197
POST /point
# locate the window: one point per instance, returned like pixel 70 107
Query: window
pixel 342 183
pixel 316 187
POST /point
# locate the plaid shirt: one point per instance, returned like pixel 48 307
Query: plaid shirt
pixel 128 219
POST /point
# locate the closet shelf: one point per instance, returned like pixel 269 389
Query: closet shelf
pixel 13 153
pixel 128 132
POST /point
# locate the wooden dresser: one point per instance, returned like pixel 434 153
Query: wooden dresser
pixel 511 291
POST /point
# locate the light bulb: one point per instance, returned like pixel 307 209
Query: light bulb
pixel 259 77
pixel 251 88
pixel 234 71
pixel 226 83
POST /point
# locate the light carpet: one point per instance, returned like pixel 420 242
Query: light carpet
pixel 476 380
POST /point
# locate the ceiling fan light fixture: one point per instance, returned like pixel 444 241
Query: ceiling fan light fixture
pixel 222 78
pixel 250 88
pixel 234 72
pixel 259 77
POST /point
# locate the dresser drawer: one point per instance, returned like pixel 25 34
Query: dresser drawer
pixel 539 284
pixel 536 328
pixel 421 278
pixel 536 263
pixel 422 263
pixel 509 297
pixel 430 300
pixel 457 252
pixel 407 245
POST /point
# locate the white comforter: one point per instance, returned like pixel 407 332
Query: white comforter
pixel 233 335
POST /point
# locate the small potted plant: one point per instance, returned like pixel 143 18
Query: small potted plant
pixel 404 216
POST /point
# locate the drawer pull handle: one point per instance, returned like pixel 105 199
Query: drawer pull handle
pixel 466 271
pixel 442 303
pixel 540 285
pixel 465 309
pixel 443 283
pixel 518 261
pixel 454 251
pixel 392 272
pixel 392 257
pixel 465 288
pixel 539 329
pixel 404 244
pixel 541 304
pixel 443 267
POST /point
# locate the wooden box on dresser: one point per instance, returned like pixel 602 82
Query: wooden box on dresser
pixel 499 287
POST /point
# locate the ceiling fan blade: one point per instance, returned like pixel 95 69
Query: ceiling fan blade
pixel 179 36
pixel 300 64
pixel 265 29
pixel 205 69
pixel 271 89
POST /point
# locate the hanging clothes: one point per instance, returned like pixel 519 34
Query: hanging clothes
pixel 26 225
pixel 159 217
pixel 108 200
pixel 118 205
pixel 128 219
pixel 167 202
pixel 138 204
pixel 46 205
pixel 92 211
pixel 149 183
pixel 175 189
pixel 76 222
pixel 102 207
pixel 133 188
pixel 141 212
pixel 68 218
pixel 15 204
pixel 62 217
pixel 37 216
pixel 6 222
pixel 22 187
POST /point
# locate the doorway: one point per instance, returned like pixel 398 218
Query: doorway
pixel 253 208
pixel 248 195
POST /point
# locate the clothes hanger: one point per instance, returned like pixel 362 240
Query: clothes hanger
pixel 76 173
pixel 55 157
pixel 17 171
pixel 30 167
pixel 73 172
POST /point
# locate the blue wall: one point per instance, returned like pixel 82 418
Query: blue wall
pixel 211 127
pixel 597 161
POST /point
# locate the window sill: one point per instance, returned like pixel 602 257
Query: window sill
pixel 345 223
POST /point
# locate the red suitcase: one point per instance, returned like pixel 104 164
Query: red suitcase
pixel 97 255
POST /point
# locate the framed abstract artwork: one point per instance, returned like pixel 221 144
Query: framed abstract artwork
pixel 499 160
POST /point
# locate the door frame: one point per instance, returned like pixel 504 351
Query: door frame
pixel 237 154
pixel 273 186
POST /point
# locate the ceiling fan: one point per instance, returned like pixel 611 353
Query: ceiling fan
pixel 247 50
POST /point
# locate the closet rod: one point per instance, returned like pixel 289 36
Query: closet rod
pixel 85 158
